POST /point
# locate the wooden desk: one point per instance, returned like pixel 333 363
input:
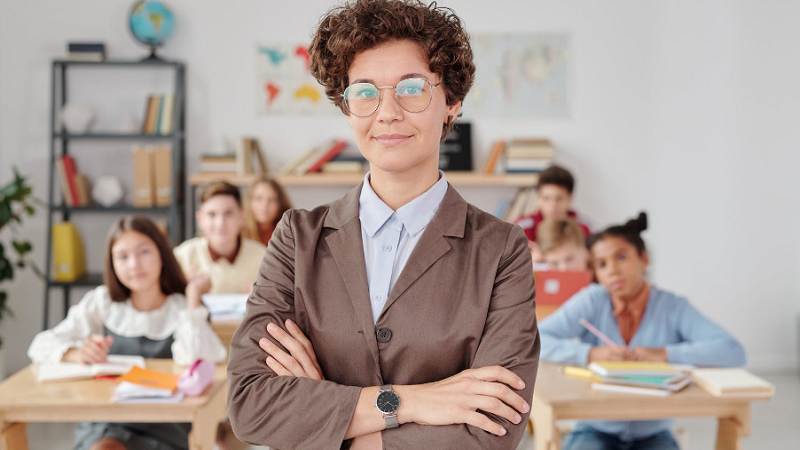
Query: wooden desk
pixel 23 399
pixel 560 397
pixel 225 331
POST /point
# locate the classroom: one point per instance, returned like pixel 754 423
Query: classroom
pixel 178 175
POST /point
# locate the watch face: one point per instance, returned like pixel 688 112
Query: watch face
pixel 388 402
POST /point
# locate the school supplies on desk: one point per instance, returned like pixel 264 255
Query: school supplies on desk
pixel 732 383
pixel 580 372
pixel 62 371
pixel 630 389
pixel 128 392
pixel 605 339
pixel 225 307
pixel 637 368
pixel 151 378
pixel 197 377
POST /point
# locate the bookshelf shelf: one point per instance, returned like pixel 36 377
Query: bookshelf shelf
pixel 117 136
pixel 124 209
pixel 118 63
pixel 352 179
pixel 90 279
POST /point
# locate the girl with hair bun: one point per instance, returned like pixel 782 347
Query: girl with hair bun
pixel 647 324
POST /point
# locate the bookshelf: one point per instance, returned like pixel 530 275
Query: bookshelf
pixel 352 179
pixel 61 144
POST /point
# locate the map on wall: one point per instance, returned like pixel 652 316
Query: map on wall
pixel 520 74
pixel 284 84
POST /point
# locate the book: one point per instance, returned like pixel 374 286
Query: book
pixel 244 157
pixel 326 154
pixel 162 168
pixel 143 180
pixel 167 111
pixel 263 168
pixel 732 383
pixel 530 148
pixel 494 156
pixel 68 255
pixel 63 371
pixel 151 120
pixel 86 56
pixel 672 384
pixel 637 368
pixel 84 189
pixel 70 170
pixel 630 389
pixel 127 392
pixel 527 165
pixel 62 178
pixel 455 153
pixel 86 47
pixel 160 116
pixel 343 167
pixel 151 378
pixel 289 167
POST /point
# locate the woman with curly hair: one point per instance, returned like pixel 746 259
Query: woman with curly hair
pixel 399 316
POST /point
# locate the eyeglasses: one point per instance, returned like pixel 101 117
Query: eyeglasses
pixel 412 94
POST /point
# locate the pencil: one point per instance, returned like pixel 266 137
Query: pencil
pixel 599 334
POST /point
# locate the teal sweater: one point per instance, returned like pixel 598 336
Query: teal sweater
pixel 669 322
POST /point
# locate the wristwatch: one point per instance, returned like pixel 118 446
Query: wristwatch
pixel 387 403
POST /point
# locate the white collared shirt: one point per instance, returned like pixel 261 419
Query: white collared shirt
pixel 390 236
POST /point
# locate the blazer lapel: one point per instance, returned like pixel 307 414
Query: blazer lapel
pixel 347 249
pixel 449 221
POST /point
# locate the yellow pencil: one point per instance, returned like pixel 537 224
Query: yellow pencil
pixel 577 372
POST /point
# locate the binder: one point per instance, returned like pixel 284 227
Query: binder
pixel 68 255
pixel 143 180
pixel 162 168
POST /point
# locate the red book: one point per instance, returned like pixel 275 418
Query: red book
pixel 336 148
pixel 69 168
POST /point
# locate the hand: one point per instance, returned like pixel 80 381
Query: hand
pixel 301 361
pixel 195 288
pixel 646 354
pixel 94 350
pixel 455 400
pixel 607 353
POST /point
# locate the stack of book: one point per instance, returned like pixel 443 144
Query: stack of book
pixel 223 163
pixel 158 114
pixel 86 51
pixel 75 187
pixel 528 155
pixel 638 377
pixel 313 160
pixel 147 386
pixel 345 164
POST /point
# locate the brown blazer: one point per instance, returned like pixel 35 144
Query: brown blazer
pixel 465 299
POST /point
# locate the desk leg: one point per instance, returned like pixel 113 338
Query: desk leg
pixel 545 434
pixel 13 436
pixel 206 422
pixel 732 430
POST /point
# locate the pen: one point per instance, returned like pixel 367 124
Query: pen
pixel 599 334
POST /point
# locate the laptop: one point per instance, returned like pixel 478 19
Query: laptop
pixel 553 288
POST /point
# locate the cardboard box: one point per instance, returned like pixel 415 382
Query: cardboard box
pixel 143 180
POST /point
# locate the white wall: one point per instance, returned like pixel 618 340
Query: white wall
pixel 686 109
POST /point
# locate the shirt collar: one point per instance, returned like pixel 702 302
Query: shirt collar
pixel 635 306
pixel 415 215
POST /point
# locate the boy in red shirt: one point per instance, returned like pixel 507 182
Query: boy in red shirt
pixel 554 191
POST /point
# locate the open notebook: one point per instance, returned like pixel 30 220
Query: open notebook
pixel 62 371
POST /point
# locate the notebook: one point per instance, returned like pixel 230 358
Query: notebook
pixel 732 383
pixel 128 392
pixel 637 368
pixel 673 383
pixel 554 287
pixel 225 307
pixel 62 371
pixel 630 389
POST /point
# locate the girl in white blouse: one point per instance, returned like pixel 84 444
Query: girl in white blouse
pixel 140 310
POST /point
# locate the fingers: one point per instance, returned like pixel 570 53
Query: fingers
pixel 277 367
pixel 91 352
pixel 502 393
pixel 102 343
pixel 297 333
pixel 500 374
pixel 297 349
pixel 495 406
pixel 483 422
pixel 287 361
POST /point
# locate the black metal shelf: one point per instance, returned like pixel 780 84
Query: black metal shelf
pixel 110 209
pixel 90 279
pixel 118 136
pixel 118 62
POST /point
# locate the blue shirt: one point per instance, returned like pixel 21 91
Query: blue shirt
pixel 390 236
pixel 669 322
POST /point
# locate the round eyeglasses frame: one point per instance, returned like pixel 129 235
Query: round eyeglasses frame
pixel 380 97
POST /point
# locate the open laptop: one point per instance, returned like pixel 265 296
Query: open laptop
pixel 553 288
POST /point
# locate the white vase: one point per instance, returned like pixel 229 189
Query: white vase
pixel 77 118
pixel 107 191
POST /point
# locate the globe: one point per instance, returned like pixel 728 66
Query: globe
pixel 151 23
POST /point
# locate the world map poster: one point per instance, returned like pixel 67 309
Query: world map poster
pixel 284 84
pixel 520 75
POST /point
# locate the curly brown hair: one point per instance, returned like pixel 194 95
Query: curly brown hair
pixel 360 25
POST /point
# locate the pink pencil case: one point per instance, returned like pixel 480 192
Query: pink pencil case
pixel 194 380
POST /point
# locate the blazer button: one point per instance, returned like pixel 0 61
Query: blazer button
pixel 384 335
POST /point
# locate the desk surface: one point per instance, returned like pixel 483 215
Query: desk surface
pixel 23 399
pixel 574 398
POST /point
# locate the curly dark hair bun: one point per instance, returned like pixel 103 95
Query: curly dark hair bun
pixel 631 232
pixel 638 224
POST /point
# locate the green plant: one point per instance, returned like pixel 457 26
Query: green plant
pixel 15 202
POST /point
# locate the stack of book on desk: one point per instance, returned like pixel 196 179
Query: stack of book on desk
pixel 636 377
pixel 147 386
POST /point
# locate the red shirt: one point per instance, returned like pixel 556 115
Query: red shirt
pixel 531 223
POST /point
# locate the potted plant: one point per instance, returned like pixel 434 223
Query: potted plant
pixel 15 203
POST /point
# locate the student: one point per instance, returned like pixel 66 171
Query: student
pixel 554 198
pixel 221 260
pixel 648 323
pixel 140 310
pixel 265 203
pixel 561 242
pixel 409 314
